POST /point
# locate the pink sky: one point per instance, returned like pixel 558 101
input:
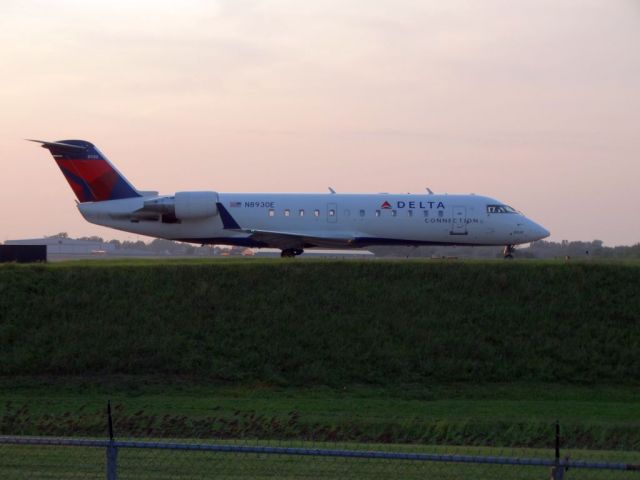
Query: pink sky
pixel 534 102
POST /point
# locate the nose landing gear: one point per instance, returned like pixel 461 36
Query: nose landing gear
pixel 291 252
pixel 507 253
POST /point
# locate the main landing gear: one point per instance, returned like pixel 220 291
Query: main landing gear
pixel 507 253
pixel 291 252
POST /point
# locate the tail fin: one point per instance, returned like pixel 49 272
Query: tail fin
pixel 91 176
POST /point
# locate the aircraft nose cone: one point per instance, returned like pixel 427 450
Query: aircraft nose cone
pixel 545 233
pixel 538 232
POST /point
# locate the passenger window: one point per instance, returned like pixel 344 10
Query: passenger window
pixel 272 212
pixel 287 212
pixel 301 212
pixel 347 213
pixel 316 213
pixel 394 213
pixel 332 213
pixel 409 213
pixel 362 213
pixel 377 213
pixel 426 213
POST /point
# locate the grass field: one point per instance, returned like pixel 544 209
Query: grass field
pixel 500 415
pixel 414 352
pixel 55 462
pixel 330 323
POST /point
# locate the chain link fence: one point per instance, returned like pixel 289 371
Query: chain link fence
pixel 58 457
pixel 61 458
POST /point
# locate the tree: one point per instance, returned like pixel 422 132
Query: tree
pixel 92 238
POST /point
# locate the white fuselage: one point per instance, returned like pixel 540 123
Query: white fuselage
pixel 328 220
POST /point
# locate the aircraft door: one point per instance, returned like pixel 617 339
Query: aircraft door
pixel 459 221
pixel 332 212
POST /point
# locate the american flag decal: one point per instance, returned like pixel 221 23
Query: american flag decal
pixel 235 204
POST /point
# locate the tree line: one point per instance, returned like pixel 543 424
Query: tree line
pixel 539 249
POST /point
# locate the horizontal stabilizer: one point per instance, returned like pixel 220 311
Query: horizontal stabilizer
pixel 49 145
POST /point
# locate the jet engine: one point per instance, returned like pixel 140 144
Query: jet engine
pixel 196 205
pixel 185 205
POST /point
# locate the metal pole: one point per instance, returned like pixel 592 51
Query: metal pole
pixel 557 442
pixel 557 472
pixel 112 450
pixel 112 462
pixel 110 420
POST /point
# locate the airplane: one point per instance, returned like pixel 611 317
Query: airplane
pixel 290 222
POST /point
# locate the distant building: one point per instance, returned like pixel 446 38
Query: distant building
pixel 59 248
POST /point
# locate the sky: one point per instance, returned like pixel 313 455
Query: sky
pixel 534 102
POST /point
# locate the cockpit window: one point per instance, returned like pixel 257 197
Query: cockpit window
pixel 500 209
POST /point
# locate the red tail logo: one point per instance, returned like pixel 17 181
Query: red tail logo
pixel 385 204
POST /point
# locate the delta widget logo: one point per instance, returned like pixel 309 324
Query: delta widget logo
pixel 413 204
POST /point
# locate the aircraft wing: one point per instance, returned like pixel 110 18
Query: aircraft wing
pixel 285 240
pixel 288 239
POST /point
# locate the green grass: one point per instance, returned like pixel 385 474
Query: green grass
pixel 504 415
pixel 17 462
pixel 325 322
pixel 426 352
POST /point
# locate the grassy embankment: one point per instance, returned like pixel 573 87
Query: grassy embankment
pixel 431 352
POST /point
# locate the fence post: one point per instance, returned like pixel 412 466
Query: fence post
pixel 112 450
pixel 112 462
pixel 557 472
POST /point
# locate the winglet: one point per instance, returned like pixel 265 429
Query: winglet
pixel 228 222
